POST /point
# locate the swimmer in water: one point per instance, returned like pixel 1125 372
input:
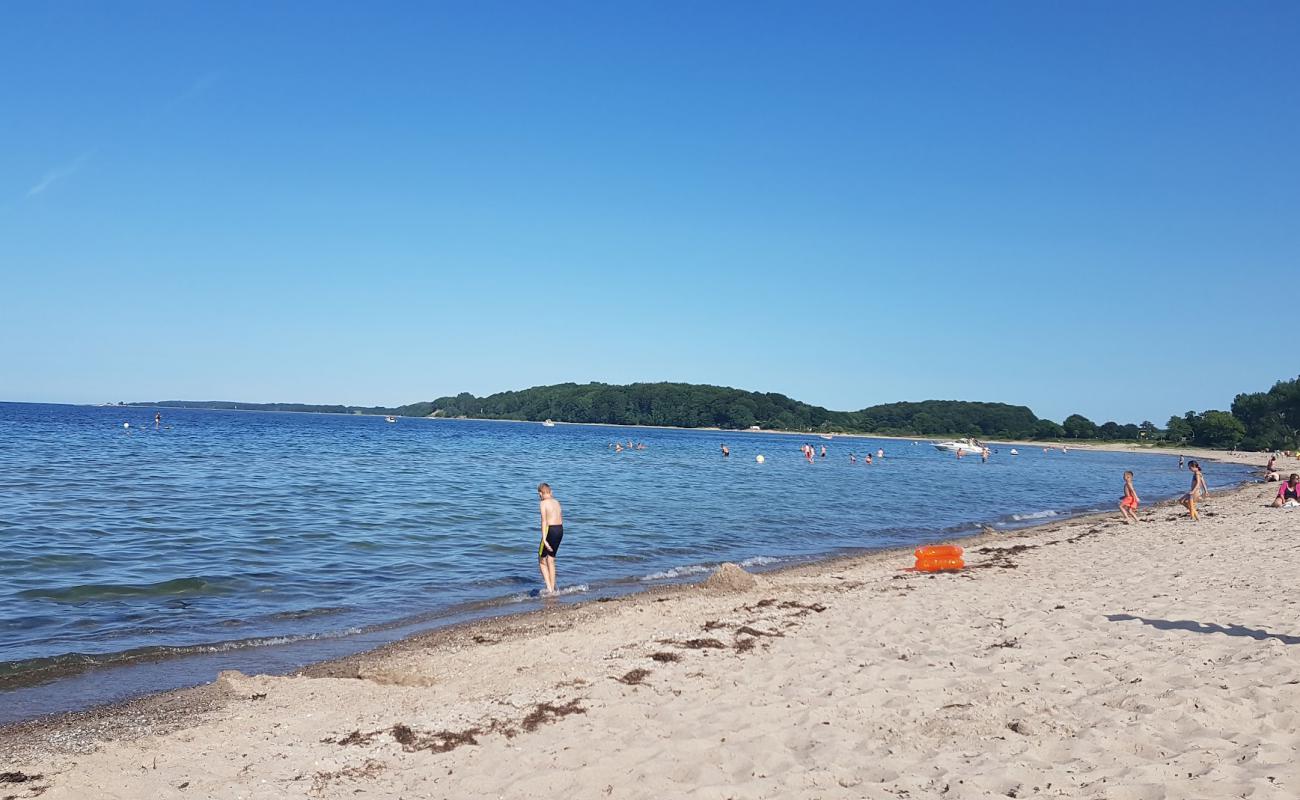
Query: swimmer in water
pixel 853 459
pixel 868 459
pixel 157 419
pixel 1129 504
pixel 1180 462
pixel 552 533
pixel 725 452
pixel 1197 490
pixel 823 451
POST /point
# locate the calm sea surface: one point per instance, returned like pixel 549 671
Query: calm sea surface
pixel 149 557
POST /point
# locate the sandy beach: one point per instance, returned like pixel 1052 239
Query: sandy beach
pixel 1082 659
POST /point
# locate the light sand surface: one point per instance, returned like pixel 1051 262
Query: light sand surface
pixel 1086 659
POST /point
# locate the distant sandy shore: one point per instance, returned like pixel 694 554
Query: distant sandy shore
pixel 1083 659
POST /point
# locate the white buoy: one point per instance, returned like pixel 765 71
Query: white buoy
pixel 759 459
pixel 126 424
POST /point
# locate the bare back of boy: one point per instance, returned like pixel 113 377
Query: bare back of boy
pixel 552 534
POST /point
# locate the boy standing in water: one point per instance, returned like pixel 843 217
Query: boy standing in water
pixel 1198 487
pixel 552 533
pixel 1128 506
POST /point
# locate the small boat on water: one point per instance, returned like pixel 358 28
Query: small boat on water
pixel 390 419
pixel 1015 452
pixel 967 446
pixel 548 424
pixel 827 435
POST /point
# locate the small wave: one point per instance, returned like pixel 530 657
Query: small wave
pixel 308 613
pixel 1034 515
pixel 758 561
pixel 39 670
pixel 677 572
pixel 178 587
pixel 523 597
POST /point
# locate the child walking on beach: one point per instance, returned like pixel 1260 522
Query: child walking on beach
pixel 1198 490
pixel 1128 506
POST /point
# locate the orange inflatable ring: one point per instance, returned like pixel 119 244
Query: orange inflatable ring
pixel 939 564
pixel 939 551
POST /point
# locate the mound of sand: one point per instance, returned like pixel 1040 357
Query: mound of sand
pixel 730 577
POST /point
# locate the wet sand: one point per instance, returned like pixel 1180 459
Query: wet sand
pixel 1080 659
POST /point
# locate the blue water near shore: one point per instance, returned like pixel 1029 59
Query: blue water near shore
pixel 264 540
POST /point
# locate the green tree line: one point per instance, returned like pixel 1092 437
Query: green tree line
pixel 694 405
pixel 1258 421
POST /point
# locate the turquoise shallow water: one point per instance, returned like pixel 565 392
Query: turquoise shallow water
pixel 151 556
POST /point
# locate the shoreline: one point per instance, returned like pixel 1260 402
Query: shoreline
pixel 155 709
pixel 848 677
pixel 103 716
pixel 1028 668
pixel 333 648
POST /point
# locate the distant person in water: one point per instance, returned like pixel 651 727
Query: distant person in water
pixel 1288 494
pixel 823 451
pixel 1198 490
pixel 868 459
pixel 552 533
pixel 1180 462
pixel 853 459
pixel 725 452
pixel 880 453
pixel 1128 505
pixel 157 418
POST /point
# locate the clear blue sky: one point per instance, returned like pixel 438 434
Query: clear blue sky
pixel 1088 207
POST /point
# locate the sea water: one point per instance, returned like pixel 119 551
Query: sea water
pixel 139 557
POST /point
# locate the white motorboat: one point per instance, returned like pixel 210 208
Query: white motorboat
pixel 548 424
pixel 966 446
pixel 390 419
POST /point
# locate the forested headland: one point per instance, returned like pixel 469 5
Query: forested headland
pixel 695 406
pixel 1256 421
